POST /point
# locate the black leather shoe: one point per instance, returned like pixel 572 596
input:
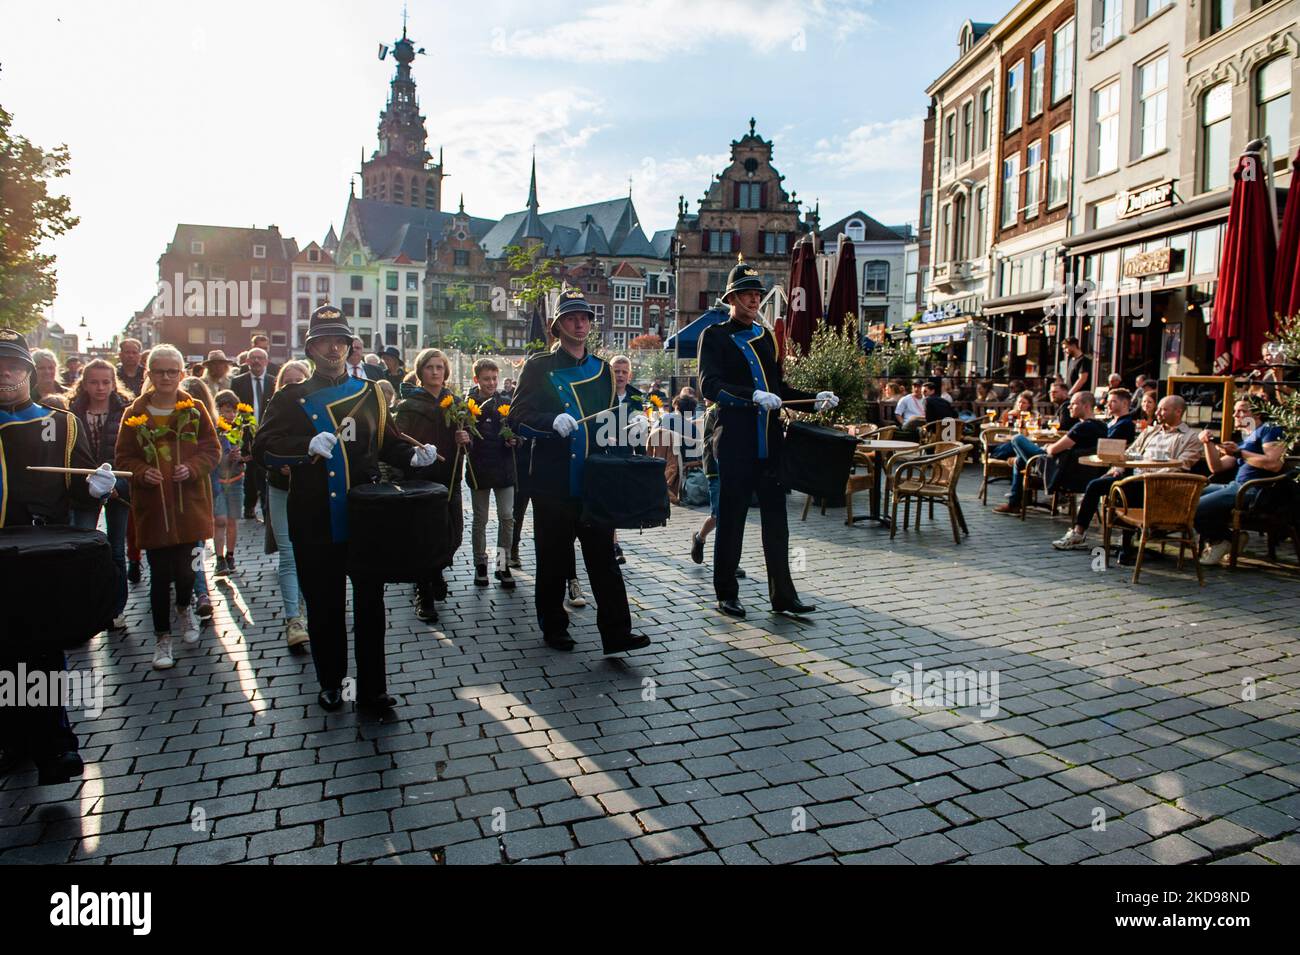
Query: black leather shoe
pixel 697 549
pixel 426 610
pixel 740 573
pixel 59 769
pixel 633 641
pixel 381 706
pixel 796 606
pixel 618 554
pixel 330 699
pixel 559 641
pixel 731 608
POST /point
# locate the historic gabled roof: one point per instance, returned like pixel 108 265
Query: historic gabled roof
pixel 331 242
pixel 662 243
pixel 874 231
pixel 233 242
pixel 616 220
pixel 625 271
pixel 389 231
pixel 590 239
pixel 305 255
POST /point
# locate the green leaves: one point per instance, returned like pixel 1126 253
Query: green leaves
pixel 834 363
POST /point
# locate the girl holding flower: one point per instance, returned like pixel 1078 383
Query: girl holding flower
pixel 169 444
pixel 431 414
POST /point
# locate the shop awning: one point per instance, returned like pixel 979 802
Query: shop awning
pixel 940 332
pixel 1024 302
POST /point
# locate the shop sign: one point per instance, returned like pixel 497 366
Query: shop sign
pixel 1154 262
pixel 1157 196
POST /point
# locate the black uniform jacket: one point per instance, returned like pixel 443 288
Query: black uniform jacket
pixel 737 359
pixel 34 434
pixel 551 384
pixel 318 490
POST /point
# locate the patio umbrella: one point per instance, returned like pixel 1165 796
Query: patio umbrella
pixel 844 293
pixel 805 299
pixel 1243 315
pixel 1286 285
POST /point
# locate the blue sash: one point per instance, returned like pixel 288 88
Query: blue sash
pixel 565 381
pixel 321 412
pixel 744 341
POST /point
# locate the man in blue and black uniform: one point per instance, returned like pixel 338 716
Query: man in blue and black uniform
pixel 739 370
pixel 555 391
pixel 301 431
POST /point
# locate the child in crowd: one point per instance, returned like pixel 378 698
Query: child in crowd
pixel 491 473
pixel 228 482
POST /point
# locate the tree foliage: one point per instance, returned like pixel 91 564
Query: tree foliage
pixel 29 215
pixel 834 363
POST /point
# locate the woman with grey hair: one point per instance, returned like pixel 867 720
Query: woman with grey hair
pixel 47 389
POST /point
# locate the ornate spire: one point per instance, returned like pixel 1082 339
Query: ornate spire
pixel 462 203
pixel 532 185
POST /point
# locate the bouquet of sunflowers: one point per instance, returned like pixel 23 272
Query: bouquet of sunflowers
pixel 506 431
pixel 461 415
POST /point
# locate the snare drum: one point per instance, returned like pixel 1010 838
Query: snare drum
pixel 624 491
pixel 398 532
pixel 817 460
pixel 41 566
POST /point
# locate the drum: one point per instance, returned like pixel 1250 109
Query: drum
pixel 397 532
pixel 817 460
pixel 62 580
pixel 624 491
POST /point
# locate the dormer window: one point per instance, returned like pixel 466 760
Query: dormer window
pixel 965 40
pixel 856 230
pixel 313 255
pixel 196 247
pixel 259 251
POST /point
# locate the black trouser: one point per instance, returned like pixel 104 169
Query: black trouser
pixel 254 487
pixel 42 732
pixel 1095 493
pixel 555 525
pixel 739 481
pixel 170 566
pixel 521 507
pixel 322 575
pixel 455 535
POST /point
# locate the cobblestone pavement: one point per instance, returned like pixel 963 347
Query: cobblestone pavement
pixel 1134 724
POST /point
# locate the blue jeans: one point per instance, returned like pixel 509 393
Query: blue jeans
pixel 116 513
pixel 1214 512
pixel 278 501
pixel 1022 449
pixel 201 578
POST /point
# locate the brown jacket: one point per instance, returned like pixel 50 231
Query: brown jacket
pixel 188 514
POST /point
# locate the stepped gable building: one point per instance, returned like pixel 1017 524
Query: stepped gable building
pixel 746 210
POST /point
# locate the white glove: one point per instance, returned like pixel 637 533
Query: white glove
pixel 639 428
pixel 322 446
pixel 424 456
pixel 564 425
pixel 766 400
pixel 102 481
pixel 825 400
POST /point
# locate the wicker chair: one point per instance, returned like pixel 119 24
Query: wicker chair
pixel 993 467
pixel 930 477
pixel 1275 522
pixel 1168 504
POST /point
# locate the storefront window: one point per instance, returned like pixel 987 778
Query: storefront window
pixel 1206 251
pixel 1110 270
pixel 1128 253
pixel 1216 116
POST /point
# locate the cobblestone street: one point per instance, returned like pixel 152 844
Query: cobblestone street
pixel 1120 733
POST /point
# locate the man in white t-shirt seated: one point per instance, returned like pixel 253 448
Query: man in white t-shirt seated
pixel 911 406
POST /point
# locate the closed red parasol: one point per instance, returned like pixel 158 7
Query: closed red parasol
pixel 1286 285
pixel 1243 314
pixel 843 303
pixel 805 298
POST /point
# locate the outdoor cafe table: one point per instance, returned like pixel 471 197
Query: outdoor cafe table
pixel 882 448
pixel 1092 461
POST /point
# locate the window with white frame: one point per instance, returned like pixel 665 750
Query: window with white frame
pixel 1062 61
pixel 1273 103
pixel 1105 128
pixel 620 315
pixel 1033 177
pixel 196 247
pixel 1015 96
pixel 1058 166
pixel 967 128
pixel 304 283
pixel 1153 104
pixel 1151 7
pixel 1216 119
pixel 620 292
pixel 634 315
pixel 1010 190
pixel 322 284
pixel 259 251
pixel 598 311
pixel 875 278
pixel 620 340
pixel 981 221
pixel 636 293
pixel 1110 22
pixel 774 243
pixel 1037 78
pixel 950 138
pixel 986 117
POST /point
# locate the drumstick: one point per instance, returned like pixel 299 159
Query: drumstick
pixel 54 470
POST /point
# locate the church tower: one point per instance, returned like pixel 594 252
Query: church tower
pixel 402 171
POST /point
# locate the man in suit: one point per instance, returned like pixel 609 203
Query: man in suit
pixel 261 341
pixel 739 371
pixel 356 366
pixel 254 389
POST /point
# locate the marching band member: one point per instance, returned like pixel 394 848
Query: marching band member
pixel 331 431
pixel 739 370
pixel 555 390
pixel 33 434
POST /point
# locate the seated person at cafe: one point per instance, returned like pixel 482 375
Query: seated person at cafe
pixel 984 392
pixel 911 407
pixel 1170 439
pixel 1060 398
pixel 1114 381
pixel 937 406
pixel 1121 421
pixel 1261 454
pixel 1081 439
pixel 1024 403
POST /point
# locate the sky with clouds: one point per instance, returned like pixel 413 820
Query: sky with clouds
pixel 251 113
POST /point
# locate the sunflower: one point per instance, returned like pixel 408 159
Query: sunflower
pixel 136 421
pixel 657 402
pixel 223 424
pixel 446 402
pixel 474 409
pixel 185 404
pixel 504 410
pixel 245 409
